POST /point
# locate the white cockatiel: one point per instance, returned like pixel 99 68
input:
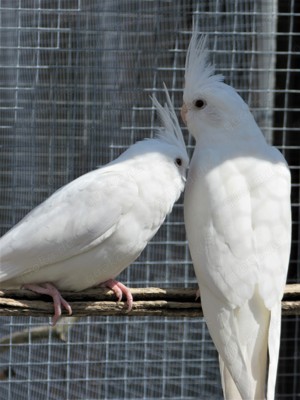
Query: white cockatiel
pixel 238 222
pixel 90 230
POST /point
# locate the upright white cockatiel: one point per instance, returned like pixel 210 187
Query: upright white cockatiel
pixel 90 230
pixel 238 222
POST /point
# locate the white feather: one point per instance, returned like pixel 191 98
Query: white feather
pixel 238 222
pixel 171 132
pixel 199 72
pixel 91 229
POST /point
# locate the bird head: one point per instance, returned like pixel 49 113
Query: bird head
pixel 209 105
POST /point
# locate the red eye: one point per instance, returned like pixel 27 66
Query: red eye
pixel 199 103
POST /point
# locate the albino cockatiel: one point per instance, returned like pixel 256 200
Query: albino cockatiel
pixel 90 230
pixel 238 222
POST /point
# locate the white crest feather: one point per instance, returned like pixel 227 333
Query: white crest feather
pixel 199 71
pixel 171 131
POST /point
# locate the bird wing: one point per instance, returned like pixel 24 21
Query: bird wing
pixel 246 246
pixel 73 220
pixel 247 236
pixel 272 229
pixel 271 220
pixel 228 246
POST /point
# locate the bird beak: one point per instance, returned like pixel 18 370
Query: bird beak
pixel 183 113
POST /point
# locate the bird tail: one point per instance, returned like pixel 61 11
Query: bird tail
pixel 229 387
pixel 274 345
pixel 241 338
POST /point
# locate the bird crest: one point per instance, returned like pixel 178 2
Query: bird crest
pixel 171 131
pixel 199 72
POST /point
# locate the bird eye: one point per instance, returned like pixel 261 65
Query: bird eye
pixel 199 103
pixel 178 161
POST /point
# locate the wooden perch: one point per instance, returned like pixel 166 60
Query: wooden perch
pixel 175 302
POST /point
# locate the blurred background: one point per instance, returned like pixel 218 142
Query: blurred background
pixel 75 81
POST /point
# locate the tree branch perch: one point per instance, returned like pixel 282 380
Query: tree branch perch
pixel 175 302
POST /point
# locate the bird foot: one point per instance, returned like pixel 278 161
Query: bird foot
pixel 58 300
pixel 119 289
pixel 197 294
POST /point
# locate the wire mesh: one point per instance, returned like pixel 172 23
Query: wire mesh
pixel 75 80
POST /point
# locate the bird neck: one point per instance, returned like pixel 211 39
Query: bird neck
pixel 228 135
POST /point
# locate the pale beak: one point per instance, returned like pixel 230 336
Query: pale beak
pixel 183 113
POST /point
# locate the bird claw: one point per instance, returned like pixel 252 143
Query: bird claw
pixel 58 301
pixel 197 295
pixel 119 289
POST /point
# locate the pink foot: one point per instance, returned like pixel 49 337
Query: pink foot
pixel 119 289
pixel 58 300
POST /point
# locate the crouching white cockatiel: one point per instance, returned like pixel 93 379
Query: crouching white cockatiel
pixel 238 222
pixel 90 230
